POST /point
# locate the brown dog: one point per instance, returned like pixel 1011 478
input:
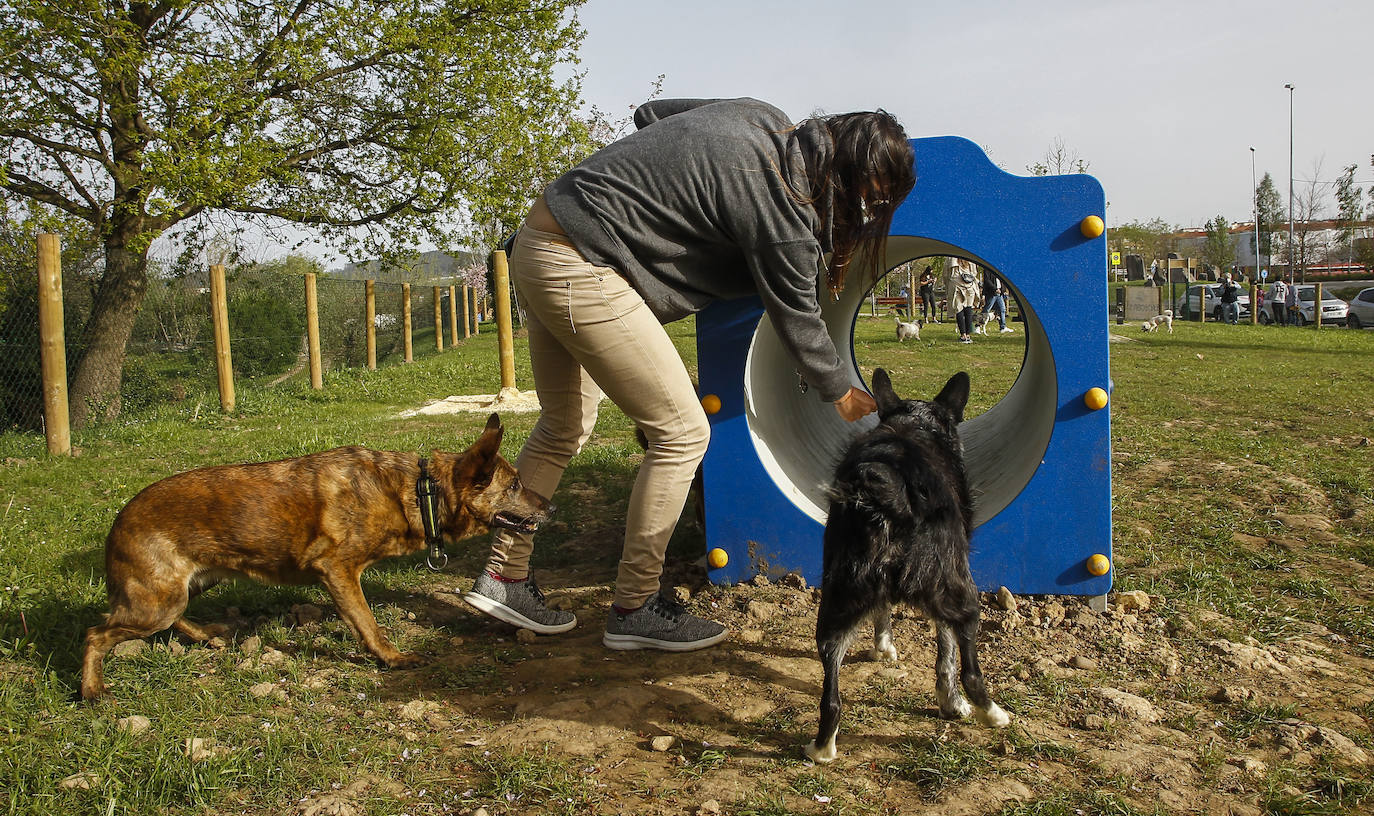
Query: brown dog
pixel 318 518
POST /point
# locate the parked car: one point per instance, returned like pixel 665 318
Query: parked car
pixel 1333 308
pixel 1186 306
pixel 1361 310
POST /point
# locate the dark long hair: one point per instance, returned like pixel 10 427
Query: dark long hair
pixel 871 170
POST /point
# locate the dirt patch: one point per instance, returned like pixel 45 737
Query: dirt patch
pixel 509 400
pixel 1143 700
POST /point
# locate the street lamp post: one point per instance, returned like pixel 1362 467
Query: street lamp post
pixel 1291 248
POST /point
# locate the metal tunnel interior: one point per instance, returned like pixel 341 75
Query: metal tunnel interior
pixel 800 438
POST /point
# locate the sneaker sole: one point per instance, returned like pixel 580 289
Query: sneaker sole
pixel 505 614
pixel 630 642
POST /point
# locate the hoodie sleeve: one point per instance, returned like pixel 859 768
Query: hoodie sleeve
pixel 786 275
pixel 656 109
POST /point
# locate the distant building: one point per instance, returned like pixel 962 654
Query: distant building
pixel 1327 257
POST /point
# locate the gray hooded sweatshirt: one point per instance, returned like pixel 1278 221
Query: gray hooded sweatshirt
pixel 708 201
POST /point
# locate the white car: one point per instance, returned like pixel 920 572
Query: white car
pixel 1186 306
pixel 1333 308
pixel 1361 310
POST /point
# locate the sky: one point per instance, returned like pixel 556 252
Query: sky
pixel 1162 99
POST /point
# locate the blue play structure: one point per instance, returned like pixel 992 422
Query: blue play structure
pixel 1038 461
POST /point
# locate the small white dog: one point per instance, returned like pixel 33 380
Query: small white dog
pixel 1166 319
pixel 980 322
pixel 907 331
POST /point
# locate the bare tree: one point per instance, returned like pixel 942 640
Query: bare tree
pixel 1308 207
pixel 1059 160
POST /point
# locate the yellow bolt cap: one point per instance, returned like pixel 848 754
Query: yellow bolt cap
pixel 1091 227
pixel 1096 399
pixel 717 558
pixel 710 403
pixel 1099 564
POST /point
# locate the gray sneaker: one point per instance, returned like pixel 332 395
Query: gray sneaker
pixel 519 604
pixel 661 624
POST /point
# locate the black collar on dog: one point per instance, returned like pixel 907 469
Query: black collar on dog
pixel 427 497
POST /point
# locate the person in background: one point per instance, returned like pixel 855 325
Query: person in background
pixel 1230 300
pixel 1278 300
pixel 927 293
pixel 995 299
pixel 962 287
pixel 1290 302
pixel 708 200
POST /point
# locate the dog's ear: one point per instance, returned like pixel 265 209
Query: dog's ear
pixel 493 429
pixel 954 395
pixel 886 398
pixel 486 450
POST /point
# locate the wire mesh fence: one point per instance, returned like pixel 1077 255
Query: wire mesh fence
pixel 170 354
pixel 21 384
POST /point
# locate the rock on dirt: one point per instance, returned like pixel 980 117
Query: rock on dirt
pixel 1128 705
pixel 307 614
pixel 130 647
pixel 1133 602
pixel 1005 599
pixel 262 690
pixel 415 710
pixel 663 743
pixel 1233 694
pixel 1246 657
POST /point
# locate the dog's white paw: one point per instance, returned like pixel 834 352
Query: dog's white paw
pixel 956 708
pixel 883 651
pixel 822 754
pixel 994 716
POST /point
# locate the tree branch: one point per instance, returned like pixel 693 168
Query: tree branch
pixel 49 144
pixel 22 185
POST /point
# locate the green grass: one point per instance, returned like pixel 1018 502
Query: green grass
pixel 936 765
pixel 1217 430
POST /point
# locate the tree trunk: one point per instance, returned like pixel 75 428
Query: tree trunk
pixel 95 387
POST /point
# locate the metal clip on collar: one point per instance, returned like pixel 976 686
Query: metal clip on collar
pixel 427 497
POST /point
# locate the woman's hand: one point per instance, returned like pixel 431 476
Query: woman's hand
pixel 855 403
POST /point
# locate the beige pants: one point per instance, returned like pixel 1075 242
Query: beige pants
pixel 591 332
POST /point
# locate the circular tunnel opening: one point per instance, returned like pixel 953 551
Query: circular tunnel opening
pixel 799 438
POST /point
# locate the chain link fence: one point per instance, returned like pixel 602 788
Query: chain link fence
pixel 171 356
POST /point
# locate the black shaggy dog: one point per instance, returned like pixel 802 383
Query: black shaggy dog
pixel 898 532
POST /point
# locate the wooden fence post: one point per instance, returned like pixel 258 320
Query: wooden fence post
pixel 1317 308
pixel 438 320
pixel 405 320
pixel 1254 304
pixel 370 314
pixel 312 332
pixel 505 337
pixel 467 319
pixel 452 315
pixel 52 348
pixel 224 361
